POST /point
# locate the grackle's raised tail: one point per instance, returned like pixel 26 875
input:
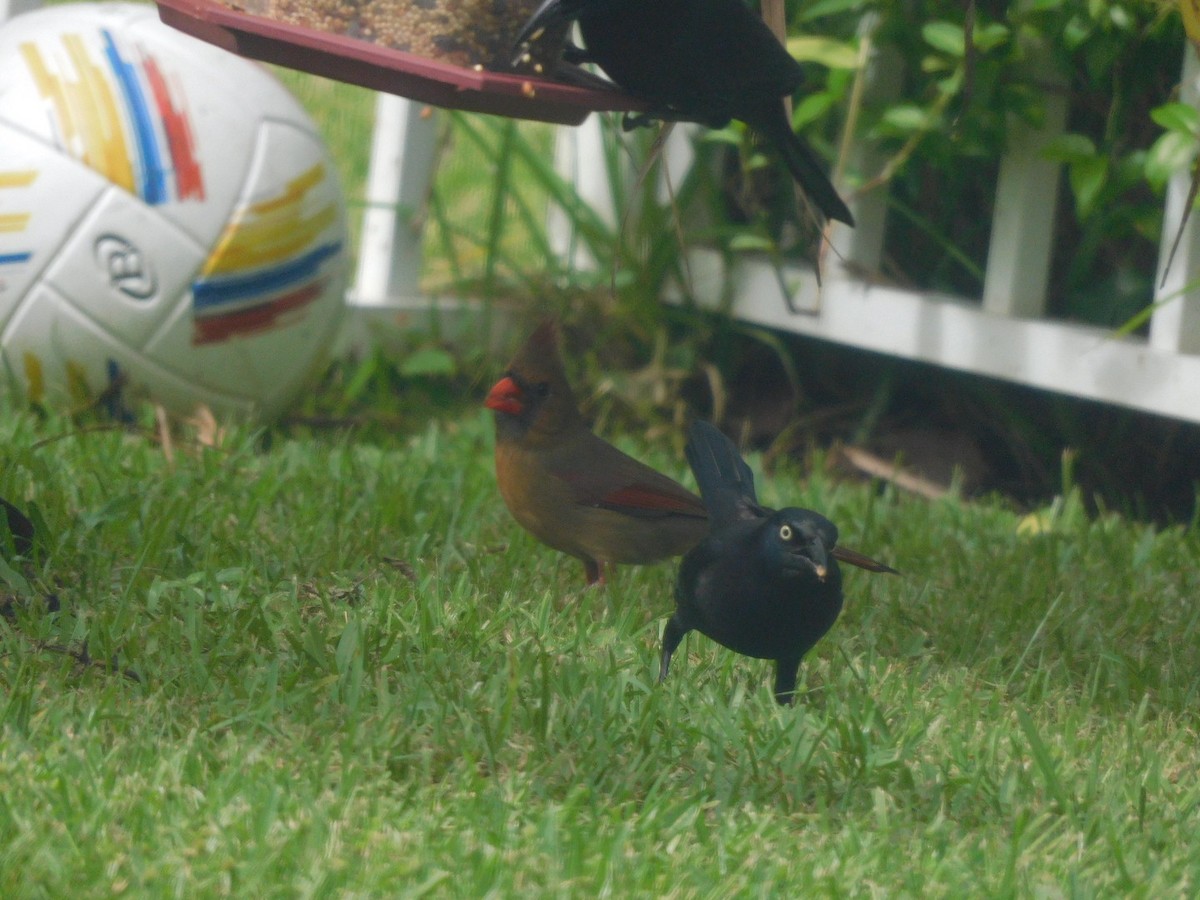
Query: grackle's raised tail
pixel 726 482
pixel 770 120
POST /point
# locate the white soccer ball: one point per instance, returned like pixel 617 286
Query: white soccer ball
pixel 169 216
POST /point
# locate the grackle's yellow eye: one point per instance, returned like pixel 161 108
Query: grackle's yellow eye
pixel 785 532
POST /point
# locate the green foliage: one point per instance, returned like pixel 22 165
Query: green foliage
pixel 491 238
pixel 942 133
pixel 394 389
pixel 1176 149
pixel 1117 64
pixel 359 677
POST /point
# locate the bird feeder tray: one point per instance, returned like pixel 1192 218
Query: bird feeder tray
pixel 382 68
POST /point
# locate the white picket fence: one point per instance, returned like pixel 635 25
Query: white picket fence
pixel 1003 334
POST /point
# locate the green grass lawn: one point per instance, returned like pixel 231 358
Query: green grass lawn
pixel 358 677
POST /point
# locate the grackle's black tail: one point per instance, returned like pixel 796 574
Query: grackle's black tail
pixel 771 122
pixel 726 482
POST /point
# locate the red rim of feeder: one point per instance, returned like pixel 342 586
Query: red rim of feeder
pixel 391 71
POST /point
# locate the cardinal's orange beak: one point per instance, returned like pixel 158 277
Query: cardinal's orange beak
pixel 505 396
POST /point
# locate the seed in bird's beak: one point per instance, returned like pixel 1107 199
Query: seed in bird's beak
pixel 821 571
pixel 537 34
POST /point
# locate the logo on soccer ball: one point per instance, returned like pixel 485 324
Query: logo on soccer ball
pixel 127 269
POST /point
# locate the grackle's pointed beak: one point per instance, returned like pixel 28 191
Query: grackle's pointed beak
pixel 820 562
pixel 808 557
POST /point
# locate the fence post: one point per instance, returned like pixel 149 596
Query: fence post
pixel 579 158
pixel 859 250
pixel 401 169
pixel 1175 325
pixel 1018 261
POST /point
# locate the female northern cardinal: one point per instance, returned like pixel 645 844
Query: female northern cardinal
pixel 766 582
pixel 570 489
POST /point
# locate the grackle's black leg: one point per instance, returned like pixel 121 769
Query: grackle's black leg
pixel 785 680
pixel 673 633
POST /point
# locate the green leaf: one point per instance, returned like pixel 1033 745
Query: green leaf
pixel 990 36
pixel 951 85
pixel 946 37
pixel 428 361
pixel 811 108
pixel 907 117
pixel 362 376
pixel 824 8
pixel 751 242
pixel 824 51
pixel 1069 148
pixel 1077 31
pixel 730 135
pixel 1120 17
pixel 932 64
pixel 1171 153
pixel 1177 117
pixel 1087 178
pixel 753 159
